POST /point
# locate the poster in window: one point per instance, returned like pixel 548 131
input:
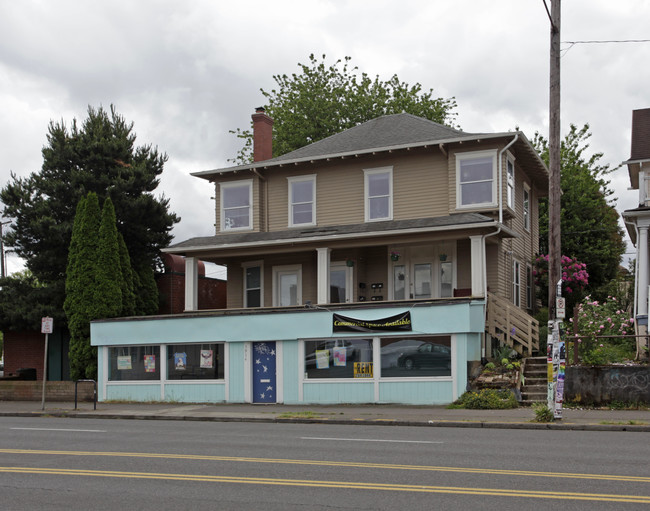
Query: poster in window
pixel 123 362
pixel 150 363
pixel 180 361
pixel 206 359
pixel 339 356
pixel 322 359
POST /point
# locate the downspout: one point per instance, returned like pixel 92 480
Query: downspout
pixel 485 236
pixel 266 200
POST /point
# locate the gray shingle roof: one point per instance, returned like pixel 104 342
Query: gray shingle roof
pixel 459 220
pixel 385 131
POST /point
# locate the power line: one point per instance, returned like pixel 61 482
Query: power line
pixel 606 41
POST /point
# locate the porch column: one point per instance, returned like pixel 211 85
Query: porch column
pixel 191 284
pixel 323 275
pixel 477 244
pixel 642 278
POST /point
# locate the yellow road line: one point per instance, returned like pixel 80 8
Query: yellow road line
pixel 603 497
pixel 349 464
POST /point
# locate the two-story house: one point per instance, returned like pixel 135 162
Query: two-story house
pixel 637 220
pixel 376 265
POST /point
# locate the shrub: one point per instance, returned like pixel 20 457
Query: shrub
pixel 543 413
pixel 488 399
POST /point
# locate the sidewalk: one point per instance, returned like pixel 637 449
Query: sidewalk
pixel 384 415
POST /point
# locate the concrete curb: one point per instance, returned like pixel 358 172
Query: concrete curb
pixel 564 426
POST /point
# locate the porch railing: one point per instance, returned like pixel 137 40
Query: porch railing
pixel 512 325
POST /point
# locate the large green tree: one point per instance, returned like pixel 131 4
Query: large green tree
pixel 99 155
pixel 323 100
pixel 590 231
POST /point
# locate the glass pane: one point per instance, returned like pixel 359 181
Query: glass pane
pixel 236 196
pixel 288 292
pixel 134 363
pixel 339 358
pixel 422 280
pixel 302 213
pixel 445 279
pixel 302 191
pixel 378 207
pixel 399 282
pixel 195 362
pixel 405 358
pixel 253 277
pixel 338 286
pixel 476 193
pixel 476 169
pixel 378 184
pixel 236 218
pixel 253 298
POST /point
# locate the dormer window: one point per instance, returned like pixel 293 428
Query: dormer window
pixel 476 178
pixel 237 205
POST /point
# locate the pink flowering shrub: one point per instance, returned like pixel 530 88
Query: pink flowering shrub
pixel 574 278
pixel 602 319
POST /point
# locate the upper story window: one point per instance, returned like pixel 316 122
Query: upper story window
pixel 526 208
pixel 302 200
pixel 516 283
pixel 510 182
pixel 253 284
pixel 378 192
pixel 237 205
pixel 476 177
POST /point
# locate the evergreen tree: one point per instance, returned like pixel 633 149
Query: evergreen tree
pixel 128 294
pixel 100 156
pixel 108 273
pixel 590 231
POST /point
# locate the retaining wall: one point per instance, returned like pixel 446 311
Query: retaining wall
pixel 604 384
pixel 16 390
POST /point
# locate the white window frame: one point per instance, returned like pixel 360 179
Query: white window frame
pixel 349 282
pixel 287 269
pixel 302 179
pixel 223 187
pixel 366 190
pixel 526 207
pixel 471 155
pixel 245 266
pixel 516 283
pixel 510 181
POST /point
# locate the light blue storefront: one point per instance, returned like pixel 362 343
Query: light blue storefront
pixel 234 341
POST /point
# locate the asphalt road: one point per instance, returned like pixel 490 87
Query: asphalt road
pixel 53 463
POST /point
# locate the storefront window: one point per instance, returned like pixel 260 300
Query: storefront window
pixel 195 361
pixel 339 358
pixel 134 363
pixel 403 357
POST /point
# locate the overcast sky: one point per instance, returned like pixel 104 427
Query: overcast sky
pixel 187 72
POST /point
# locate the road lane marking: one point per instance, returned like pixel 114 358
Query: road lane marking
pixel 57 429
pixel 499 492
pixel 370 440
pixel 344 464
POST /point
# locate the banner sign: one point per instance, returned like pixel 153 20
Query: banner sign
pixel 399 322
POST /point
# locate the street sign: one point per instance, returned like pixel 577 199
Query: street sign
pixel 47 325
pixel 560 307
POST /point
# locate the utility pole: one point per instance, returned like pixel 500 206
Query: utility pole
pixel 554 196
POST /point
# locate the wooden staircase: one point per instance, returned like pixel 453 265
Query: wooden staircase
pixel 535 381
pixel 511 325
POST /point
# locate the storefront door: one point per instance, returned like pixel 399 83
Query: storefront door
pixel 264 378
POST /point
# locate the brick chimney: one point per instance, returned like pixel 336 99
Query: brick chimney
pixel 262 135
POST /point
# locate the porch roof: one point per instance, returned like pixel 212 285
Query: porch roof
pixel 351 232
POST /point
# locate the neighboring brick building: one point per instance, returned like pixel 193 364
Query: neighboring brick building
pixel 24 349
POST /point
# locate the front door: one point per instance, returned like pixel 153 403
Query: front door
pixel 264 379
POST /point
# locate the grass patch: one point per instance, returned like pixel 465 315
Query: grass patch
pixel 299 415
pixel 487 399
